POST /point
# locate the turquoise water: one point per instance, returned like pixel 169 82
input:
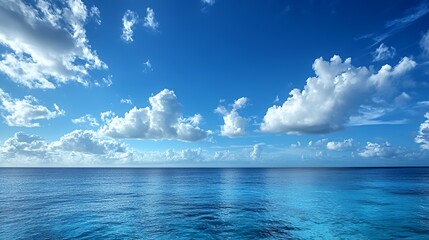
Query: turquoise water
pixel 343 203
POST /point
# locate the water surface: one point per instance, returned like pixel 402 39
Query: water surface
pixel 321 203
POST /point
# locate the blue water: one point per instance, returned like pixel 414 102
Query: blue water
pixel 365 203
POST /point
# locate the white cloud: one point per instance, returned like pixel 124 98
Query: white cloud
pixel 383 52
pixel 423 137
pixel 86 119
pixel 234 125
pixel 76 149
pixel 255 154
pixel 240 103
pixel 104 82
pixel 277 99
pixel 369 115
pixel 402 99
pixel 129 19
pixel 296 145
pixel 377 150
pixel 87 141
pixel 223 155
pixel 394 26
pixel 126 101
pixel 107 116
pixel 422 104
pixel 147 66
pixel 318 143
pixel 162 120
pixel 346 144
pixel 331 97
pixel 183 155
pixel 95 14
pixel 149 20
pixel 25 145
pixel 46 43
pixel 424 43
pixel 23 112
pixel 208 2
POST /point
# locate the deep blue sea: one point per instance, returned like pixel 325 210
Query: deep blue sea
pixel 301 203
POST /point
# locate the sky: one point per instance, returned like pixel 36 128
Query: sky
pixel 214 83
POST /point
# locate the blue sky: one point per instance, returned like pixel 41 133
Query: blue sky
pixel 214 83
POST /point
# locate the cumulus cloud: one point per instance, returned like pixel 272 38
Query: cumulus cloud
pixel 377 150
pixel 255 154
pixel 183 155
pixel 383 52
pixel 162 120
pixel 223 155
pixel 422 137
pixel 86 119
pixel 234 125
pixel 45 44
pixel 21 144
pixel 424 43
pixel 107 116
pixel 338 146
pixel 23 112
pixel 331 97
pixel 129 19
pixel 149 20
pixel 80 147
pixel 87 141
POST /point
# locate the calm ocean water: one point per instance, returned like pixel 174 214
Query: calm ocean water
pixel 365 203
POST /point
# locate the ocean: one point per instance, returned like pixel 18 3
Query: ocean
pixel 214 203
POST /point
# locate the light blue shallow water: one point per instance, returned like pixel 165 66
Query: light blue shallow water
pixel 367 203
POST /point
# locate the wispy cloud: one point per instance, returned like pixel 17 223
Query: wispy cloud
pixel 129 19
pixel 95 14
pixel 149 20
pixel 208 2
pixel 394 26
pixel 370 115
pixel 86 119
pixel 147 66
pixel 126 101
pixel 424 43
pixel 383 52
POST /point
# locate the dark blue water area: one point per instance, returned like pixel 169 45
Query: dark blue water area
pixel 301 203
